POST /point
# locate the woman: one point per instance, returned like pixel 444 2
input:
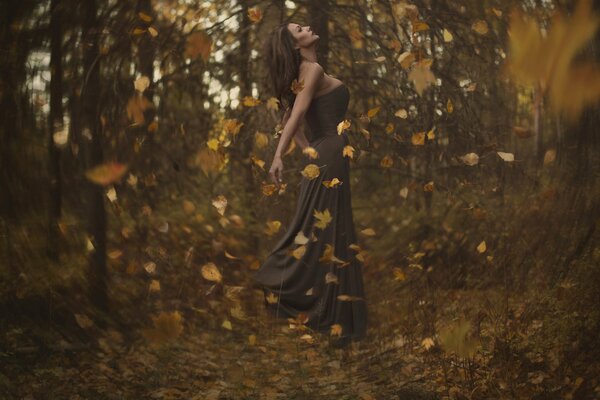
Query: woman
pixel 312 274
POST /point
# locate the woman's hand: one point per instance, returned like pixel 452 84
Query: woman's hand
pixel 276 170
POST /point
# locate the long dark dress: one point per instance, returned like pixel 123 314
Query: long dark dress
pixel 286 279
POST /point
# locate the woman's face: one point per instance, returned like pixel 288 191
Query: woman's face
pixel 304 35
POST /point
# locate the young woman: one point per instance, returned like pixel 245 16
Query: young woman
pixel 313 274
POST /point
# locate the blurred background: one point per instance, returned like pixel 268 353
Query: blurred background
pixel 135 202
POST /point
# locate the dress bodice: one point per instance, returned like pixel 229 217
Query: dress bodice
pixel 326 112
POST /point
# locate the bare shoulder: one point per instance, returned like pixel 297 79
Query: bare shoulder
pixel 309 68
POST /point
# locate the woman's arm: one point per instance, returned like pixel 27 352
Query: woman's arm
pixel 311 77
pixel 299 136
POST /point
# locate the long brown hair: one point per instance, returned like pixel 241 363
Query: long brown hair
pixel 282 61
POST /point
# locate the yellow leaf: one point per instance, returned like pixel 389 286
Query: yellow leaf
pixel 153 126
pixel 311 171
pixel 348 151
pixel 250 101
pixel 430 134
pixel 342 126
pixel 255 14
pixel 481 247
pixel 368 232
pixel 421 76
pixel 141 83
pixel 428 187
pixel 138 31
pixel 220 203
pixel 332 183
pixel 144 17
pixel 107 173
pixel 323 218
pixel 406 59
pixel 213 144
pixel 330 277
pixel 261 140
pixel 83 321
pixel 480 27
pixel 210 272
pixel 154 286
pixel 404 192
pixel 506 156
pixel 399 275
pixel 152 30
pixel 268 189
pixel 427 343
pixel 386 161
pixel 373 111
pixel 227 324
pixel 419 26
pixel 447 36
pixel 336 330
pixel 300 238
pixel 297 86
pixel 251 340
pixel 470 159
pixel 136 106
pixel 311 152
pixel 198 43
pixel 299 252
pixel 272 298
pixel 272 227
pixel 401 113
pixel 418 139
pixel 449 106
pixel 549 156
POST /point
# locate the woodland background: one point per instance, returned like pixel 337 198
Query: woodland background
pixel 135 203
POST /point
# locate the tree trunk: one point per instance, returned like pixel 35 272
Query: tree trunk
pixel 92 156
pixel 55 123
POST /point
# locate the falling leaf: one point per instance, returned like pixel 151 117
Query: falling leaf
pixel 336 330
pixel 251 340
pixel 481 247
pixel 404 192
pixel 332 183
pixel 447 36
pixel 311 171
pixel 330 277
pixel 427 343
pixel 227 324
pixel 311 152
pixel 142 83
pixel 399 275
pixel 167 326
pixel 522 132
pixel 107 173
pixel 406 59
pixel 323 218
pixel 421 76
pixel 455 339
pixel 373 112
pixel 250 101
pixel 401 113
pixel 144 17
pixel 368 232
pixel 418 139
pixel 299 252
pixel 272 227
pixel 348 151
pixel 255 14
pixel 83 321
pixel 506 156
pixel 198 43
pixel 213 144
pixel 154 286
pixel 271 298
pixel 300 238
pixel 419 26
pixel 547 59
pixel 449 106
pixel 220 203
pixel 549 156
pixel 428 187
pixel 136 106
pixel 480 27
pixel 138 31
pixel 386 162
pixel 297 86
pixel 211 273
pixel 342 126
pixel 153 32
pixel 470 159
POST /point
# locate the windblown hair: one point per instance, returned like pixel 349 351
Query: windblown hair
pixel 282 61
